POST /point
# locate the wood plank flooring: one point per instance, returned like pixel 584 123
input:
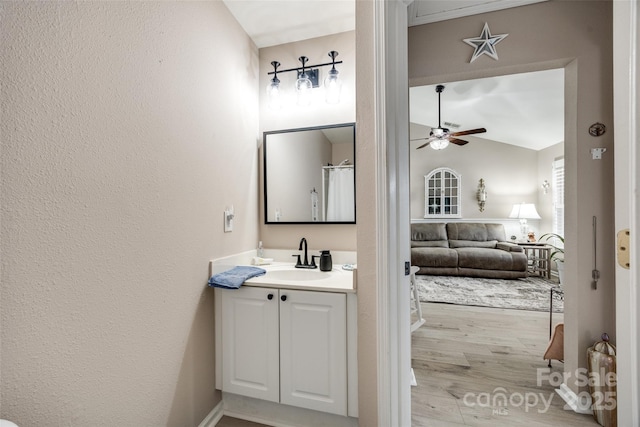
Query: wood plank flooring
pixel 466 358
pixel 463 357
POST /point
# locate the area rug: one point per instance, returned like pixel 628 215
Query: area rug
pixel 531 293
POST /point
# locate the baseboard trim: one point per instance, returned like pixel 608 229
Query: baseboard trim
pixel 254 419
pixel 579 404
pixel 214 416
pixel 279 415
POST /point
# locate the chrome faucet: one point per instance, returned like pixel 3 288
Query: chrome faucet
pixel 305 263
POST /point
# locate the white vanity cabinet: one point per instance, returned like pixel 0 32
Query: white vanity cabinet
pixel 250 342
pixel 287 346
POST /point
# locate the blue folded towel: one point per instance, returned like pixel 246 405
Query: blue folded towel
pixel 234 278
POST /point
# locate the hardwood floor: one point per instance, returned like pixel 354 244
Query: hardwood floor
pixel 466 358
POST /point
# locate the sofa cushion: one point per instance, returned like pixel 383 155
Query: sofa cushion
pixel 473 244
pixel 434 257
pixel 496 232
pixel 509 247
pixel 429 243
pixel 475 231
pixel 491 259
pixel 428 231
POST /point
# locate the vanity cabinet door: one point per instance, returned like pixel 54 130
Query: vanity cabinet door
pixel 250 342
pixel 313 350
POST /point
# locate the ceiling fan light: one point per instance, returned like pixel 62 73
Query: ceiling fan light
pixel 438 132
pixel 439 144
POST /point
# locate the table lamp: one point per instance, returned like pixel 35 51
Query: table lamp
pixel 523 212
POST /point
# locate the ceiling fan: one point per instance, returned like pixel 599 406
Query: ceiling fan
pixel 440 137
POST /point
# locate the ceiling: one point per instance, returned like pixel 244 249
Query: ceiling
pixel 271 23
pixel 274 22
pixel 525 109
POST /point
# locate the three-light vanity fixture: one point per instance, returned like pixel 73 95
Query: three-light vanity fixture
pixel 307 80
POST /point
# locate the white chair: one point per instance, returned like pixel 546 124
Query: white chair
pixel 416 309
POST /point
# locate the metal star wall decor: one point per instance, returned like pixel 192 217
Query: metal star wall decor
pixel 485 44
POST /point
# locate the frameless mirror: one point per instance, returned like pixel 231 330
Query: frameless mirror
pixel 309 175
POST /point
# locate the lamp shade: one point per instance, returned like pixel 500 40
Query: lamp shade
pixel 303 88
pixel 332 87
pixel 274 99
pixel 524 211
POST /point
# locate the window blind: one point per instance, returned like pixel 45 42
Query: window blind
pixel 557 188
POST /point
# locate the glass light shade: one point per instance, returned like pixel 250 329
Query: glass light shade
pixel 303 89
pixel 437 132
pixel 332 87
pixel 274 99
pixel 524 211
pixel 439 144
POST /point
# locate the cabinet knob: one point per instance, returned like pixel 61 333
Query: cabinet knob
pixel 270 297
pixel 283 297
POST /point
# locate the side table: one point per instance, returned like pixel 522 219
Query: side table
pixel 538 259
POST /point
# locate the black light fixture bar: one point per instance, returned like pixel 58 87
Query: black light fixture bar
pixel 305 67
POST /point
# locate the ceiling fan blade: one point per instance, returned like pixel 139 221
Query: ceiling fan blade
pixel 420 139
pixel 424 145
pixel 458 141
pixel 468 132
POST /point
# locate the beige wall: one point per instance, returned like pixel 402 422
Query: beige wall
pixel 319 236
pixel 509 172
pixel 127 128
pixel 576 35
pixel 512 175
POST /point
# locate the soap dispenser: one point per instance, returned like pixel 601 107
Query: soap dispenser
pixel 325 261
pixel 260 251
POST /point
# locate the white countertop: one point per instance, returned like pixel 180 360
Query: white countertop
pixel 286 276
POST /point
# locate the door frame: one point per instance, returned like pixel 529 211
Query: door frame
pixel 626 17
pixel 394 398
pixel 393 210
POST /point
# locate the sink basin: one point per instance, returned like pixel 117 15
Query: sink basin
pixel 298 274
pixel 286 276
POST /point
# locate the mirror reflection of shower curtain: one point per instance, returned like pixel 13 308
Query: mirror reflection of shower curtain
pixel 340 194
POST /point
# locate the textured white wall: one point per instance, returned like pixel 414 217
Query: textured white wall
pixel 127 128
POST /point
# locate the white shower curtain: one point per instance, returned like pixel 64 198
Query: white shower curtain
pixel 341 194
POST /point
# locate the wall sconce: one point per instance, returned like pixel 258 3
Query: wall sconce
pixel 307 80
pixel 304 85
pixel 545 186
pixel 273 89
pixel 332 84
pixel 481 195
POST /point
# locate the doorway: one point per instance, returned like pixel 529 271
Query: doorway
pixel 514 168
